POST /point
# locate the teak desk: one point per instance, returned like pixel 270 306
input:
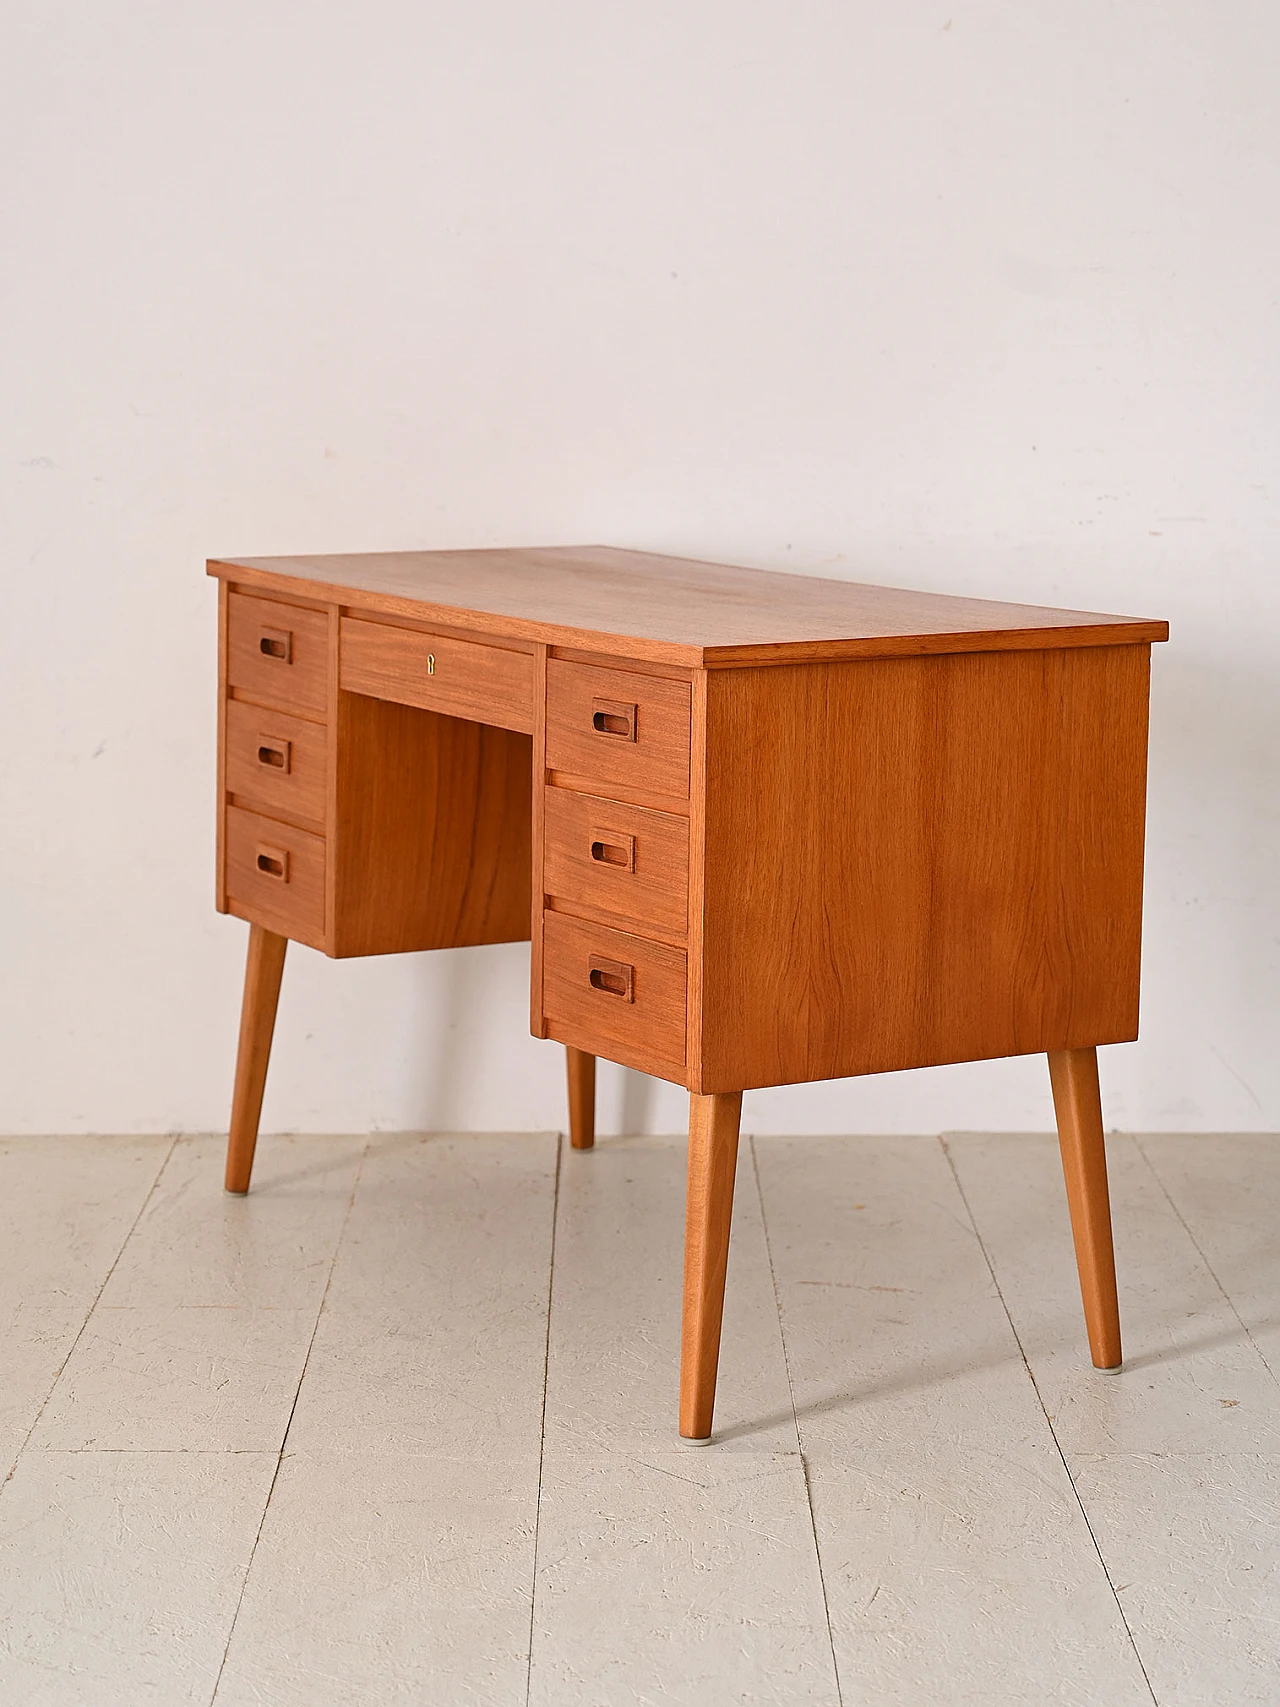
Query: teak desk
pixel 760 828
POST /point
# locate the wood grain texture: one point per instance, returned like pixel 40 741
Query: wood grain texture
pixel 713 1161
pixel 914 861
pixel 537 1018
pixel 431 833
pixel 645 1029
pixel 695 940
pixel 220 850
pixel 623 792
pixel 290 902
pixel 621 658
pixel 581 1071
pixel 331 777
pixel 463 678
pixel 264 968
pixel 607 857
pixel 277 763
pixel 674 610
pixel 296 681
pixel 652 757
pixel 1077 1103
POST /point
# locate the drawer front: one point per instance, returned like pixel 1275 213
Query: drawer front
pixel 278 653
pixel 276 762
pixel 463 678
pixel 618 729
pixel 275 875
pixel 615 995
pixel 627 860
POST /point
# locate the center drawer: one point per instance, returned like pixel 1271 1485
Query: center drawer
pixel 626 860
pixel 437 672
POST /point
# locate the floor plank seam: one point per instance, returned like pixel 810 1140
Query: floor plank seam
pixel 804 1462
pixel 88 1315
pixel 157 1451
pixel 1230 1301
pixel 1035 1386
pixel 284 1439
pixel 542 1427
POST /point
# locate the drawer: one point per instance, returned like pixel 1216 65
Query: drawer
pixel 627 860
pixel 278 653
pixel 462 678
pixel 615 995
pixel 277 762
pixel 275 875
pixel 618 729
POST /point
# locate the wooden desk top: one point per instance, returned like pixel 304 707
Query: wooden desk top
pixel 674 610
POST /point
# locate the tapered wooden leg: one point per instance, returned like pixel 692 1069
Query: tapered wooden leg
pixel 262 973
pixel 713 1160
pixel 1078 1106
pixel 582 1097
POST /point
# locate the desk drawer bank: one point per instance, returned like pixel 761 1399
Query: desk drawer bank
pixel 759 830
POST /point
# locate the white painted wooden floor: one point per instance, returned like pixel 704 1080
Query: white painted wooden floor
pixel 399 1428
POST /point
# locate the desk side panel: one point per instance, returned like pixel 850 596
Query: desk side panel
pixel 220 852
pixel 920 860
pixel 537 1004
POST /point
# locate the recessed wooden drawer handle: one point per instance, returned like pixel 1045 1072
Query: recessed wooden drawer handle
pixel 612 717
pixel 275 755
pixel 273 862
pixel 608 848
pixel 276 643
pixel 613 977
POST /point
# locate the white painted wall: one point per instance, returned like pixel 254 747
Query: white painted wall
pixel 971 296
